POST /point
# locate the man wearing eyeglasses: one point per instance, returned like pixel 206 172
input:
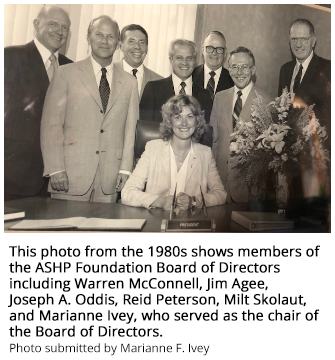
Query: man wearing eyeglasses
pixel 212 75
pixel 307 77
pixel 229 107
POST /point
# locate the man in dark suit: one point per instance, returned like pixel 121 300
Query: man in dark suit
pixel 134 45
pixel 28 70
pixel 182 55
pixel 307 77
pixel 212 75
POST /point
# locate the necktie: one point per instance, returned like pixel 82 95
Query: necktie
pixel 297 80
pixel 104 89
pixel 237 108
pixel 135 72
pixel 211 84
pixel 52 67
pixel 182 90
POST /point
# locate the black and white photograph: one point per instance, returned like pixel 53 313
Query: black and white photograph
pixel 167 118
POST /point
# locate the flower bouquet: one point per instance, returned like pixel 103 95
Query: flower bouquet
pixel 281 139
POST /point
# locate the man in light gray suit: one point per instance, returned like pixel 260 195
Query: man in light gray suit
pixel 88 122
pixel 230 106
pixel 134 45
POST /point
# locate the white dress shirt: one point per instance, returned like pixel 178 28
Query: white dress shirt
pixel 176 84
pixel 97 72
pixel 296 70
pixel 244 96
pixel 45 54
pixel 207 70
pixel 139 75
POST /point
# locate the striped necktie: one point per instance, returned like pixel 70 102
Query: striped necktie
pixel 182 90
pixel 237 108
pixel 211 84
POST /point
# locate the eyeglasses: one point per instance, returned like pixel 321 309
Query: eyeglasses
pixel 245 68
pixel 304 40
pixel 211 49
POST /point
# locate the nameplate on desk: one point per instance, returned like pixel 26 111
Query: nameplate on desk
pixel 188 225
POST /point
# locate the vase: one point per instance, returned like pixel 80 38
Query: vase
pixel 281 192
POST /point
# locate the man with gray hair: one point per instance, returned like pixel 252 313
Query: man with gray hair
pixel 229 107
pixel 212 75
pixel 182 56
pixel 89 120
pixel 28 71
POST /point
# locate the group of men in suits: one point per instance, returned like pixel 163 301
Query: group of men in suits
pixel 91 107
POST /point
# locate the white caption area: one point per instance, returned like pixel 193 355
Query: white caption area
pixel 112 296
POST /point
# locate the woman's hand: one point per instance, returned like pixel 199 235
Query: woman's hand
pixel 164 202
pixel 184 201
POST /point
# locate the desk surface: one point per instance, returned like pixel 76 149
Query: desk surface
pixel 47 208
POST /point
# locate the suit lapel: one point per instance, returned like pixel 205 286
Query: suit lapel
pixel 145 80
pixel 309 74
pixel 245 113
pixel 192 164
pixel 37 65
pixel 227 105
pixel 87 77
pixel 199 76
pixel 117 85
pixel 168 89
pixel 221 81
pixel 165 158
pixel 289 75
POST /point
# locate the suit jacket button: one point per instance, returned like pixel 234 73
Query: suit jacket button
pixel 101 111
pixel 97 152
pixel 101 131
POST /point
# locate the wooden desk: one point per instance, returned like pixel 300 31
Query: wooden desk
pixel 47 208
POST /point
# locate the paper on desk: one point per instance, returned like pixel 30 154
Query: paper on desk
pixel 81 223
pixel 48 224
pixel 112 224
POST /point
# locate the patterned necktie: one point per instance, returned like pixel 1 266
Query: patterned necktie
pixel 237 108
pixel 211 84
pixel 297 80
pixel 52 67
pixel 182 90
pixel 135 72
pixel 104 89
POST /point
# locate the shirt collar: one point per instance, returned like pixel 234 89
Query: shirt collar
pixel 129 69
pixel 97 67
pixel 245 91
pixel 207 70
pixel 176 81
pixel 45 53
pixel 306 62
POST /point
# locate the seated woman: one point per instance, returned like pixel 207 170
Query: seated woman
pixel 176 161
